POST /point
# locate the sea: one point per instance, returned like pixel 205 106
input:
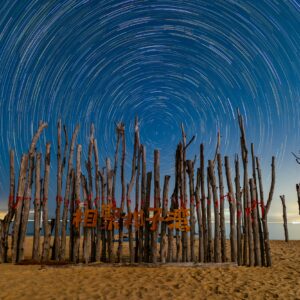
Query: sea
pixel 276 231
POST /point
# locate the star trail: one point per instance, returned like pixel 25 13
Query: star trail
pixel 168 62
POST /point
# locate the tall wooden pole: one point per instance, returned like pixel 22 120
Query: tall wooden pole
pixel 120 247
pixel 147 249
pixel 203 201
pixel 143 202
pixel 222 205
pixel 298 195
pixel 156 203
pixel 18 207
pixel 199 217
pixel 261 236
pixel 46 225
pixel 11 209
pixel 239 211
pixel 209 227
pixel 254 218
pixel 67 196
pixel 217 254
pixel 190 170
pixel 231 210
pixel 37 210
pixel 286 233
pixel 163 243
pixel 109 178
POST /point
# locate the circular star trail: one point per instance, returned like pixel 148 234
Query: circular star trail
pixel 168 62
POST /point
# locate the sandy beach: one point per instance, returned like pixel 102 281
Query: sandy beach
pixel 96 282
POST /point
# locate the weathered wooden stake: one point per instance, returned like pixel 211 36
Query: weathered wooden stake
pixel 46 225
pixel 67 196
pixel 231 210
pixel 222 205
pixel 203 201
pixel 163 243
pixel 37 209
pixel 209 227
pixel 217 254
pixel 147 250
pixel 285 226
pixel 199 217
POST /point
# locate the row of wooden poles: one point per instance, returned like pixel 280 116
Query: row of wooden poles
pixel 249 236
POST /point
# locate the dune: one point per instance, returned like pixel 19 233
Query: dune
pixel 97 282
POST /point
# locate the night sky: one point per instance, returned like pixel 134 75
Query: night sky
pixel 168 62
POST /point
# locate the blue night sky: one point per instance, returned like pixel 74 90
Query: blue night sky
pixel 169 62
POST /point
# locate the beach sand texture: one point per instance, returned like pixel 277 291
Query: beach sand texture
pixel 282 281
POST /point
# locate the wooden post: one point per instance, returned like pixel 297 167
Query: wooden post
pixel 37 210
pixel 199 217
pixel 209 228
pixel 257 253
pixel 11 210
pixel 137 196
pixel 238 211
pixel 261 236
pixel 217 256
pixel 87 230
pixel 178 189
pixel 72 211
pixel 163 243
pixel 203 201
pixel 47 233
pixel 109 178
pixel 298 195
pixel 265 209
pixel 147 249
pixel 102 221
pixel 190 170
pixel 28 189
pixel 89 233
pixel 76 230
pixel 67 196
pixel 248 238
pixel 285 226
pixel 97 203
pixel 60 169
pixel 231 210
pixel 129 189
pixel 18 207
pixel 143 200
pixel 120 247
pixel 156 204
pixel 222 216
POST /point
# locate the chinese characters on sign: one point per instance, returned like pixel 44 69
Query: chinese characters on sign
pixel 111 215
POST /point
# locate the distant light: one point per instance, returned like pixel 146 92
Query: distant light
pixel 296 222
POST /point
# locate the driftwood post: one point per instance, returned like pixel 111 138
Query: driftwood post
pixel 248 238
pixel 298 195
pixel 37 209
pixel 217 256
pixel 77 205
pixel 97 253
pixel 285 226
pixel 255 223
pixel 18 207
pixel 261 236
pixel 143 199
pixel 178 189
pixel 46 225
pixel 231 210
pixel 61 162
pixel 11 210
pixel 209 227
pixel 72 211
pixel 203 201
pixel 110 233
pixel 129 189
pixel 199 217
pixel 102 221
pixel 190 170
pixel 147 249
pixel 163 243
pixel 265 209
pixel 222 204
pixel 156 205
pixel 238 212
pixel 67 196
pixel 120 247
pixel 87 230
